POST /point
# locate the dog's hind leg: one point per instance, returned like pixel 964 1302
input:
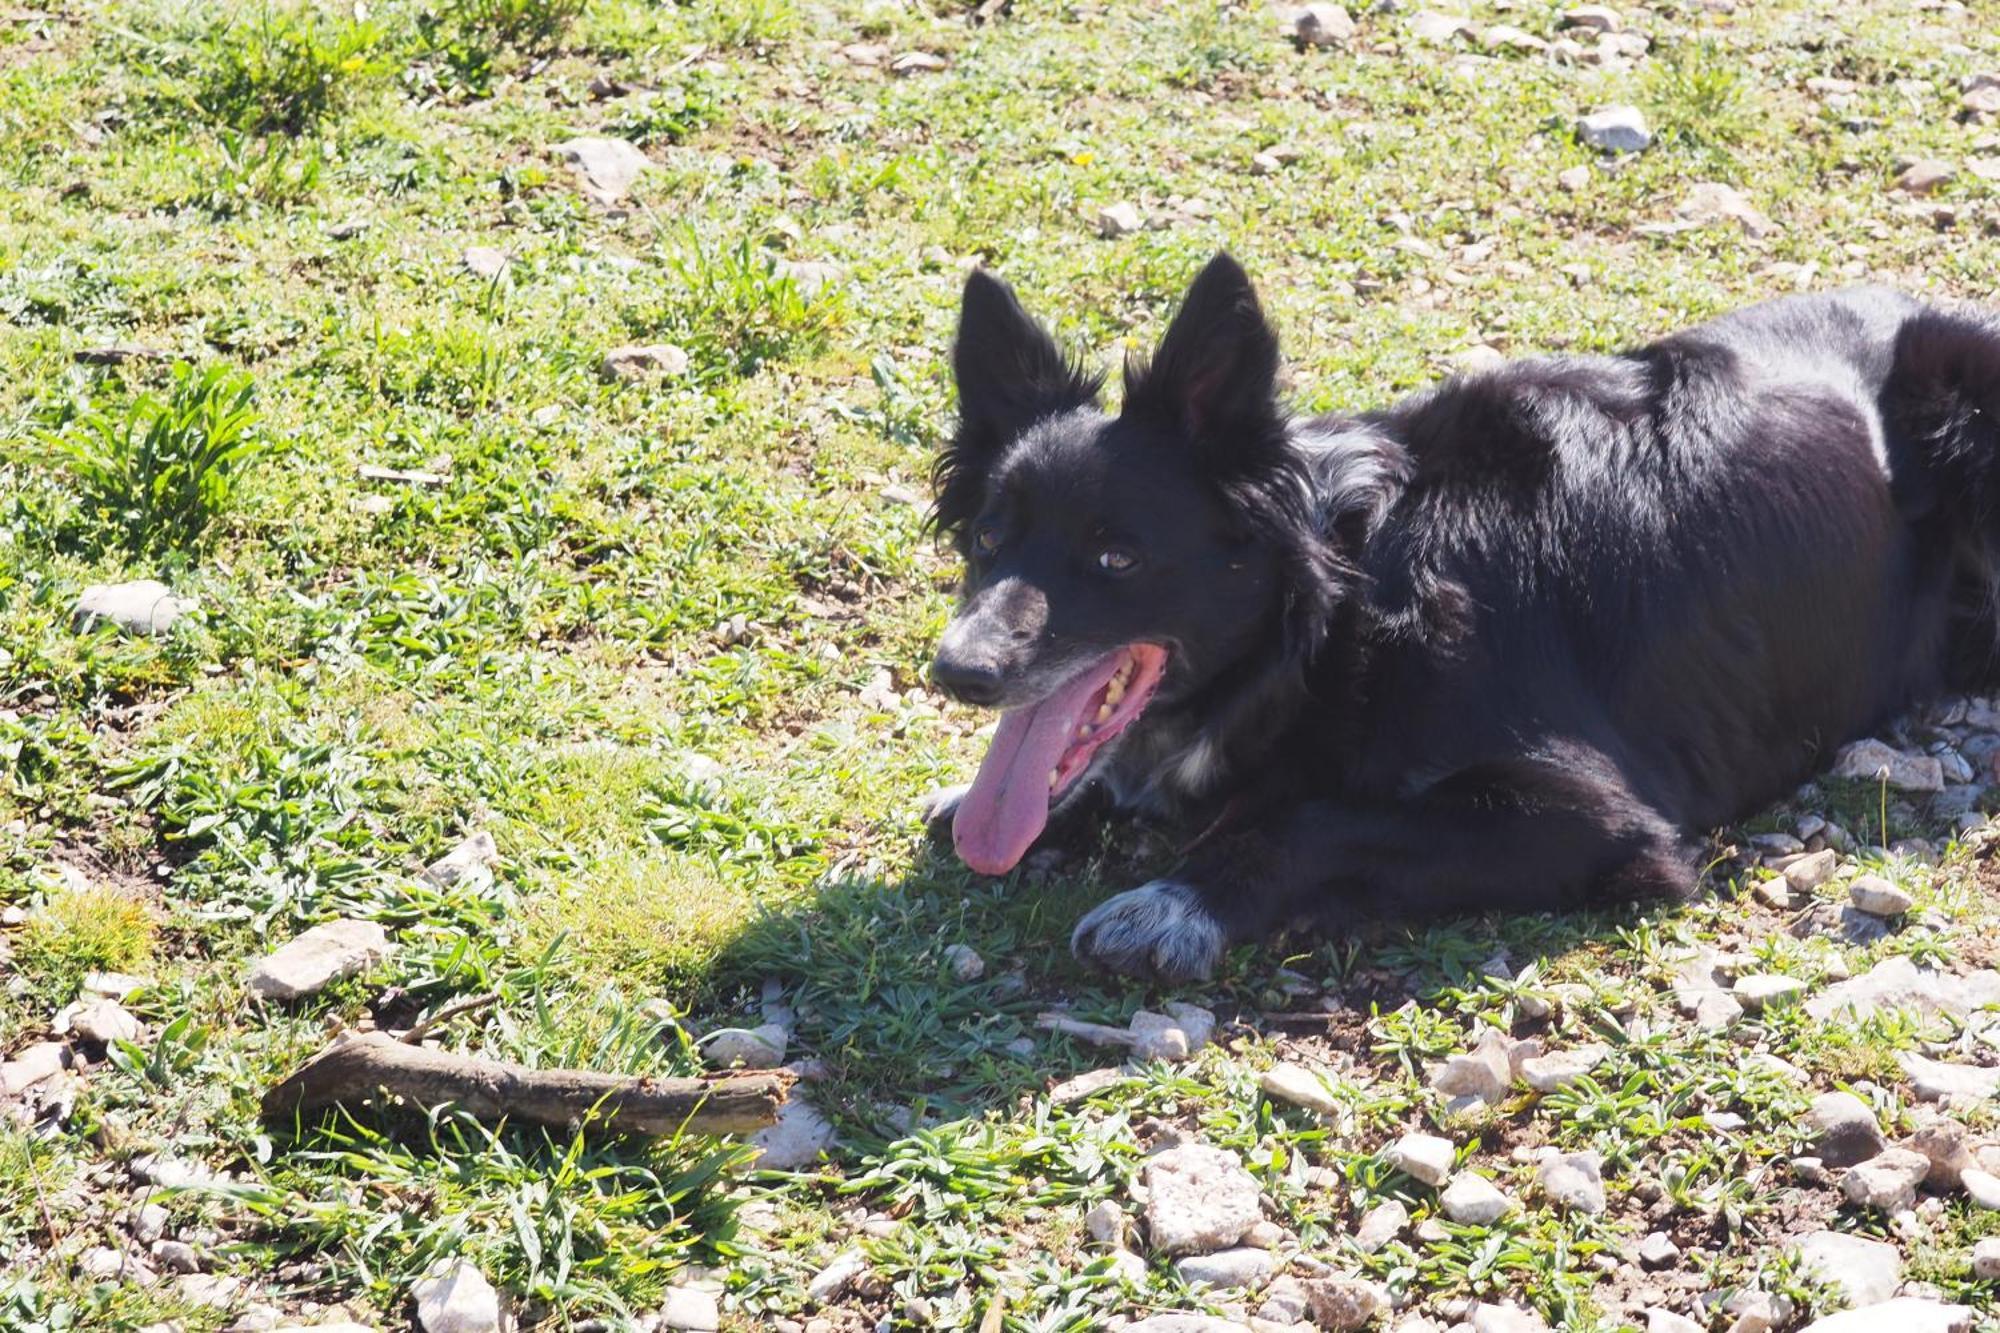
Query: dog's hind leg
pixel 1516 835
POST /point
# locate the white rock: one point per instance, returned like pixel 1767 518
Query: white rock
pixel 964 962
pixel 1505 1319
pixel 1558 1069
pixel 471 863
pixel 640 361
pixel 1658 1251
pixel 483 261
pixel 1424 1158
pixel 321 956
pixel 1380 1225
pixel 455 1297
pixel 800 1135
pixel 1197 1022
pixel 1106 1223
pixel 1766 991
pixel 1619 129
pixel 1120 219
pixel 1666 1321
pixel 143 606
pixel 1574 1182
pixel 608 167
pixel 748 1048
pixel 832 1282
pixel 1199 1199
pixel 1980 1187
pixel 1239 1267
pixel 1812 870
pixel 1473 1200
pixel 1442 29
pixel 1297 1085
pixel 100 1022
pixel 1936 1080
pixel 1878 897
pixel 1159 1037
pixel 1872 761
pixel 1343 1303
pixel 1321 25
pixel 149 1223
pixel 114 985
pixel 1906 1314
pixel 31 1065
pixel 1986 1259
pixel 1898 983
pixel 1887 1180
pixel 1942 1143
pixel 1483 1073
pixel 1868 1271
pixel 1186 1323
pixel 1593 18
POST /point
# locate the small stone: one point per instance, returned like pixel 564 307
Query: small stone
pixel 1982 1187
pixel 1285 1302
pixel 1559 1069
pixel 1925 177
pixel 1887 1180
pixel 1666 1321
pixel 483 261
pixel 1299 1086
pixel 1658 1251
pixel 1574 1182
pixel 311 962
pixel 832 1281
pixel 796 1140
pixel 918 62
pixel 1199 1199
pixel 1380 1225
pixel 608 167
pixel 1106 1223
pixel 866 55
pixel 1484 1073
pixel 748 1048
pixel 32 1065
pixel 101 1262
pixel 1505 1319
pixel 1424 1158
pixel 1905 1314
pixel 143 606
pixel 1473 1200
pixel 1272 160
pixel 1936 1080
pixel 149 1223
pixel 101 1022
pixel 964 962
pixel 1504 36
pixel 1087 1084
pixel 1321 25
pixel 1867 1271
pixel 1343 1303
pixel 1872 761
pixel 1898 983
pixel 1115 220
pixel 176 1256
pixel 1942 1143
pixel 1812 870
pixel 1765 991
pixel 1844 1128
pixel 1878 897
pixel 114 985
pixel 1593 18
pixel 1986 1259
pixel 456 1298
pixel 1240 1267
pixel 1618 129
pixel 641 361
pixel 1442 29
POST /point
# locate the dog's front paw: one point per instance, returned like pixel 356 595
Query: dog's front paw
pixel 1159 930
pixel 938 805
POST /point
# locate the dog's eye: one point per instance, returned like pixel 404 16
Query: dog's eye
pixel 1112 560
pixel 987 539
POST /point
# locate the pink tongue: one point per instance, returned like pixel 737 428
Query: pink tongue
pixel 1008 804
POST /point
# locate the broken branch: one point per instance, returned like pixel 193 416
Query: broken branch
pixel 357 1068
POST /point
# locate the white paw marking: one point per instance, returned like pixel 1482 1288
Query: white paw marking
pixel 1159 930
pixel 941 803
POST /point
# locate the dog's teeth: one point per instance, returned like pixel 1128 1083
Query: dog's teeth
pixel 1114 691
pixel 1055 776
pixel 1104 712
pixel 1083 733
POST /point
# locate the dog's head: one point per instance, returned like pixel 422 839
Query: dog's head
pixel 1112 563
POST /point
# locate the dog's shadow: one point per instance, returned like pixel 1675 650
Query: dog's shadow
pixel 901 1027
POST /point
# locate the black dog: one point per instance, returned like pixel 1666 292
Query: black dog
pixel 1511 644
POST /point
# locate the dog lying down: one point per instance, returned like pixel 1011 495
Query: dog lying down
pixel 1513 643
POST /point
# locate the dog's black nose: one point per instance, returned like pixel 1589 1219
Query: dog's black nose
pixel 968 681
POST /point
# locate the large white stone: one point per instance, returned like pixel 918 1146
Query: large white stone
pixel 800 1135
pixel 1199 1199
pixel 1868 1271
pixel 1907 1314
pixel 1935 1080
pixel 1898 983
pixel 608 166
pixel 1473 1200
pixel 143 606
pixel 1424 1158
pixel 1619 129
pixel 1242 1266
pixel 456 1298
pixel 311 962
pixel 1297 1085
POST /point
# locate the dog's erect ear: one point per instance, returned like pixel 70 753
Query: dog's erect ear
pixel 1215 374
pixel 1010 375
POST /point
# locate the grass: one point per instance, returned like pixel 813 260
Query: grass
pixel 665 640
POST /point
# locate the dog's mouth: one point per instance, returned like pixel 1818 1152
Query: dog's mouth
pixel 1041 750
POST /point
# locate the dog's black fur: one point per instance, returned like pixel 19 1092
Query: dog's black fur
pixel 1512 643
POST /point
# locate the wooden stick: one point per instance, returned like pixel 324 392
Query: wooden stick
pixel 356 1068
